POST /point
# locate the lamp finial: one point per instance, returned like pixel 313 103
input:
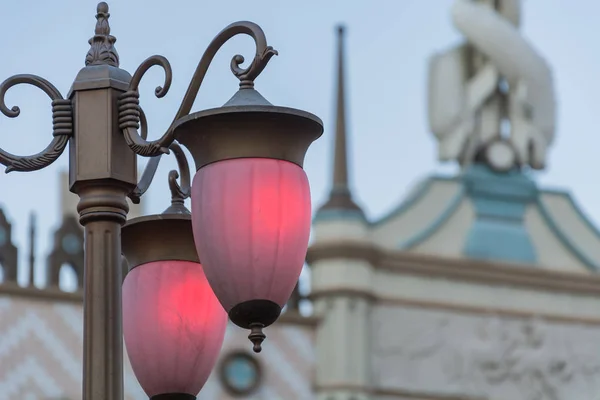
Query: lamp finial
pixel 102 50
pixel 257 336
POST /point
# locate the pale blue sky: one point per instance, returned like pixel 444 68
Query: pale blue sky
pixel 388 44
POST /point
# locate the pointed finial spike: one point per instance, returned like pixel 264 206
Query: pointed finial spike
pixel 341 162
pixel 340 196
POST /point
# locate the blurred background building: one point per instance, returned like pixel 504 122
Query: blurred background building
pixel 479 285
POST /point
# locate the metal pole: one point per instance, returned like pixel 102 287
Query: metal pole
pixel 103 171
pixel 102 210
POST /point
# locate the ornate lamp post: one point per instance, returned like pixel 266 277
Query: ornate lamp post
pixel 249 224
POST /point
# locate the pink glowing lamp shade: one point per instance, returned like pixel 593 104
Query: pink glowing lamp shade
pixel 173 326
pixel 251 222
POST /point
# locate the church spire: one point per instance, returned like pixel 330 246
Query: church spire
pixel 340 197
pixel 31 249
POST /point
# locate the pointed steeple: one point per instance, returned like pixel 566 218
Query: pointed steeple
pixel 31 249
pixel 340 197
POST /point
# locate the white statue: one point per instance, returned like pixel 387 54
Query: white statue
pixel 492 98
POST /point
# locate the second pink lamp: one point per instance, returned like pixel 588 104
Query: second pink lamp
pixel 173 324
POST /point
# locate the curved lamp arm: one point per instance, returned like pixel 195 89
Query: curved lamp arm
pixel 129 109
pixel 179 191
pixel 62 119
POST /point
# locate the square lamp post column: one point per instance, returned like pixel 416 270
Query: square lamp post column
pixel 238 254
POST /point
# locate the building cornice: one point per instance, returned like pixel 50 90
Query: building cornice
pixel 403 394
pixel 451 307
pixel 469 270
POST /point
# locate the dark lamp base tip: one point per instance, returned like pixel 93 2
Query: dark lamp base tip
pixel 250 312
pixel 255 315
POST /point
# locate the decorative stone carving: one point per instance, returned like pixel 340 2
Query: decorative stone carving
pixel 486 104
pixel 519 354
pixel 486 357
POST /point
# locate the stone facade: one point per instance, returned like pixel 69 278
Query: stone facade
pixel 41 351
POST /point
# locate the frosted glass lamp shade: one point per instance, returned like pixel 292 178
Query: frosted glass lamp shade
pixel 173 326
pixel 251 222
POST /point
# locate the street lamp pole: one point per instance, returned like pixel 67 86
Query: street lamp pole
pixel 250 217
pixel 102 173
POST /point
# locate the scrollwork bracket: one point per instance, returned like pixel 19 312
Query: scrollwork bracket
pixel 62 121
pixel 180 191
pixel 131 115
